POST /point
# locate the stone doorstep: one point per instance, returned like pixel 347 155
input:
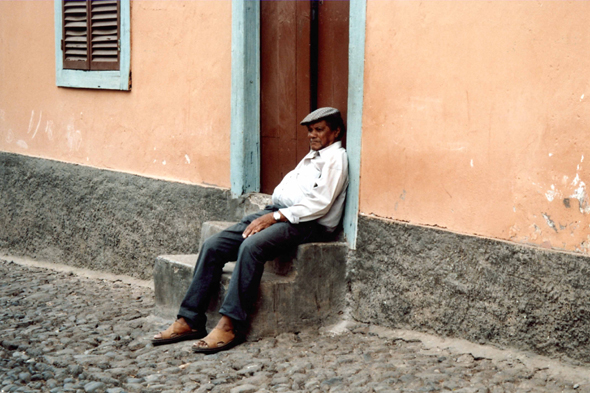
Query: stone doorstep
pixel 303 289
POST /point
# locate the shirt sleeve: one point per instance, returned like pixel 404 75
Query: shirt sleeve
pixel 329 185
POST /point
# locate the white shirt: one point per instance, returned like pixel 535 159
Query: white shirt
pixel 316 188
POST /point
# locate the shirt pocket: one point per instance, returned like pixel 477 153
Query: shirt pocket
pixel 309 179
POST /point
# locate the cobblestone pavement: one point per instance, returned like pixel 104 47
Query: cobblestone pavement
pixel 62 332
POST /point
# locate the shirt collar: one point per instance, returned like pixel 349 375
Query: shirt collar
pixel 326 150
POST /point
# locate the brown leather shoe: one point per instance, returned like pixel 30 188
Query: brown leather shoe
pixel 178 331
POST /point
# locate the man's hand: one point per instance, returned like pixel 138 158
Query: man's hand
pixel 259 224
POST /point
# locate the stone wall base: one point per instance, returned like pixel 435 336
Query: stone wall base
pixel 483 290
pixel 100 219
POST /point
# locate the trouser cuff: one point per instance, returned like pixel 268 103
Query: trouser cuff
pixel 194 320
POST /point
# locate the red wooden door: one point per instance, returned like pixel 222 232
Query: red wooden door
pixel 304 65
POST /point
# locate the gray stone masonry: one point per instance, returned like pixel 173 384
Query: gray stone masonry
pixel 483 290
pixel 298 290
pixel 104 220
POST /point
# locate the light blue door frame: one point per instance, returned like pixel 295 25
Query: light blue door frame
pixel 245 97
pixel 245 104
pixel 354 122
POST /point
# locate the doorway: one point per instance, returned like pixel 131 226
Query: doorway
pixel 304 66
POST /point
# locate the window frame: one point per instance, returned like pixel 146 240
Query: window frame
pixel 111 80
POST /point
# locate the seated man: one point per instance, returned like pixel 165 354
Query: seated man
pixel 306 206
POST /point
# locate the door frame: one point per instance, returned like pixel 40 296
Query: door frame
pixel 245 104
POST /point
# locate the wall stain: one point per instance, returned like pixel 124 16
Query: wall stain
pixel 550 222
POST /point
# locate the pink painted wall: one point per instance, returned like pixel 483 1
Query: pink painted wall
pixel 476 118
pixel 175 122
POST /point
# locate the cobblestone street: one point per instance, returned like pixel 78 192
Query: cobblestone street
pixel 63 332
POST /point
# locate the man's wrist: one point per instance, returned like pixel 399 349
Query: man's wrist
pixel 277 216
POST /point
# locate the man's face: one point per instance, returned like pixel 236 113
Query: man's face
pixel 320 135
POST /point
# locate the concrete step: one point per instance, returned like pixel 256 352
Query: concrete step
pixel 210 228
pixel 173 273
pixel 302 289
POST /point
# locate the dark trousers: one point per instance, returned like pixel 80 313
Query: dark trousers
pixel 250 254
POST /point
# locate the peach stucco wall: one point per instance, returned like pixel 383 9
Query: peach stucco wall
pixel 476 118
pixel 175 122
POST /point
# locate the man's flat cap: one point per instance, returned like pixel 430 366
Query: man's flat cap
pixel 318 115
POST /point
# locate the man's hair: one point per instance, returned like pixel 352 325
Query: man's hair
pixel 335 121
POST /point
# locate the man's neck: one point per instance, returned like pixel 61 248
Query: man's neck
pixel 334 145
